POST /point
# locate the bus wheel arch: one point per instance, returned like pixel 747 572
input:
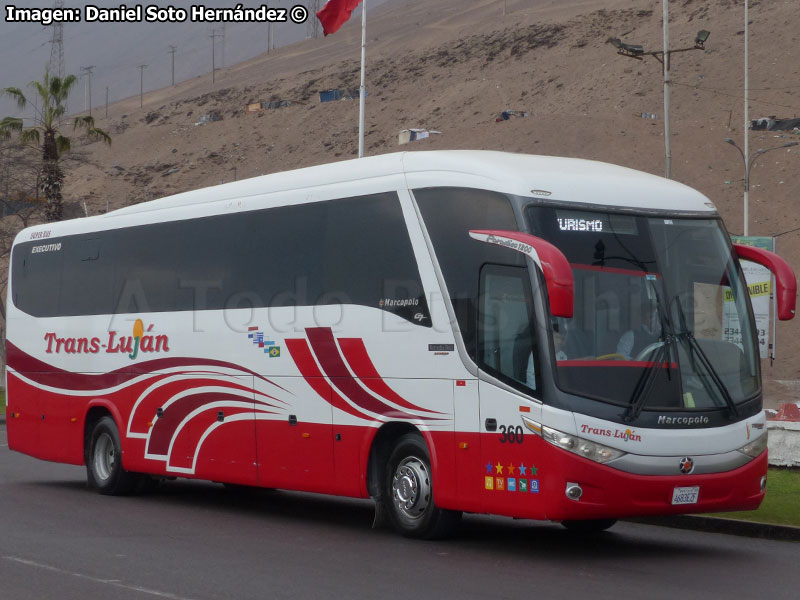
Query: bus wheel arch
pixel 382 445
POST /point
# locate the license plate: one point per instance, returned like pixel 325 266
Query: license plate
pixel 685 495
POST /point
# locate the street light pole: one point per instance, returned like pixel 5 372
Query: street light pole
pixel 637 52
pixel 667 133
pixel 748 164
pixel 746 151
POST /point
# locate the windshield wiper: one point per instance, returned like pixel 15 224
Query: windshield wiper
pixel 642 390
pixel 696 350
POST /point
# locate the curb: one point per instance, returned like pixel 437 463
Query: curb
pixel 767 531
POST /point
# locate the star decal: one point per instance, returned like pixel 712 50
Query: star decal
pixel 534 470
pixel 489 468
pixel 511 468
pixel 522 469
pixel 499 468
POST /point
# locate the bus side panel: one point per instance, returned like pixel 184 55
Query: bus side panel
pixel 49 424
pixel 23 415
pixel 443 465
pixel 352 445
pixel 467 446
pixel 227 453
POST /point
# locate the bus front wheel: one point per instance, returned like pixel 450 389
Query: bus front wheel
pixel 409 492
pixel 104 461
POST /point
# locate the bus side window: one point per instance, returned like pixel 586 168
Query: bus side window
pixel 505 317
pixel 449 214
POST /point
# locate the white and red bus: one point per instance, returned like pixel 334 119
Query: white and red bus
pixel 452 331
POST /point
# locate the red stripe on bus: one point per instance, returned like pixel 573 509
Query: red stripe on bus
pixel 327 352
pixel 301 354
pixel 642 364
pixel 166 426
pixel 45 374
pixel 356 355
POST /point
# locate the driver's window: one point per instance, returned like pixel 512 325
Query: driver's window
pixel 506 342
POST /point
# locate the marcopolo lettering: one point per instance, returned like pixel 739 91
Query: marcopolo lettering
pixel 398 302
pixel 699 420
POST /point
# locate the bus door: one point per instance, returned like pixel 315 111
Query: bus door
pixel 510 380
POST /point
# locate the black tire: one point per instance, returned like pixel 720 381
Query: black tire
pixel 589 525
pixel 408 493
pixel 104 468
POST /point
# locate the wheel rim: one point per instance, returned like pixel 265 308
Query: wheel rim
pixel 104 456
pixel 411 487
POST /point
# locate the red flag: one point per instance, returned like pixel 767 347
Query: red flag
pixel 335 14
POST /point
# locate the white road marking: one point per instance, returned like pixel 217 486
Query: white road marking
pixel 111 582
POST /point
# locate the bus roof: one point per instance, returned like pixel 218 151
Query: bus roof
pixel 566 179
pixel 584 182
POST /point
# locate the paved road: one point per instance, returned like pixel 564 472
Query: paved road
pixel 196 541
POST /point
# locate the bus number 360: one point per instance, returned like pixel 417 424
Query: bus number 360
pixel 511 434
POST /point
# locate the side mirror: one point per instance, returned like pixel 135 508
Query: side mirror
pixel 786 294
pixel 552 262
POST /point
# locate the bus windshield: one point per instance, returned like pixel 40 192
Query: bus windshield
pixel 662 318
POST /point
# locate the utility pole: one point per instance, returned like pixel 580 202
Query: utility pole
pixel 667 132
pixel 269 36
pixel 746 146
pixel 56 64
pixel 141 84
pixel 172 51
pixel 313 22
pixel 223 45
pixel 214 35
pixel 748 165
pixel 362 91
pixel 88 87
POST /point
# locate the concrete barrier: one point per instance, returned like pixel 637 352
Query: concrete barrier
pixel 784 435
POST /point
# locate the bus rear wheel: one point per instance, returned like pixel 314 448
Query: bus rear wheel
pixel 104 461
pixel 409 494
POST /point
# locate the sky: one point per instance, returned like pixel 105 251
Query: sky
pixel 116 50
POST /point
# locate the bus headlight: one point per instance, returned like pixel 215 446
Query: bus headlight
pixel 580 446
pixel 756 447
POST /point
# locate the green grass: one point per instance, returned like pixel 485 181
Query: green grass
pixel 2 401
pixel 781 505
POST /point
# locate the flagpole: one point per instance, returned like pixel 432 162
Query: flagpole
pixel 362 91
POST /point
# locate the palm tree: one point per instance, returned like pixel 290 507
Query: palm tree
pixel 44 133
